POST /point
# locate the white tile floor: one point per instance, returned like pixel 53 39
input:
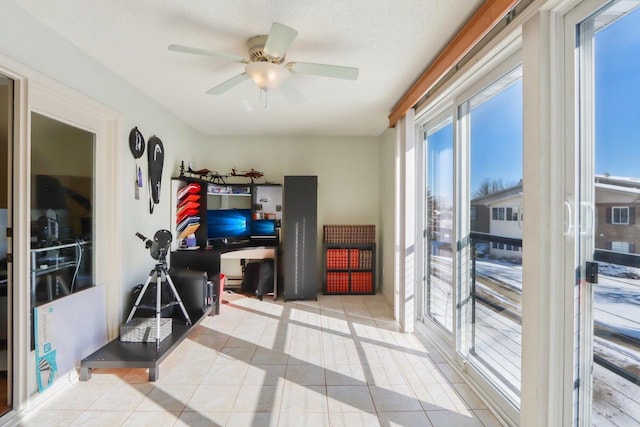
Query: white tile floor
pixel 338 361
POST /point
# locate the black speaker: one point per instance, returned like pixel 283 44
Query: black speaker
pixel 194 292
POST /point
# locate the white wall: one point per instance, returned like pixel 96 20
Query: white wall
pixel 347 169
pixel 29 43
pixel 355 183
pixel 387 141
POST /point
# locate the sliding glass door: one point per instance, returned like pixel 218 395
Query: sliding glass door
pixel 491 265
pixel 607 235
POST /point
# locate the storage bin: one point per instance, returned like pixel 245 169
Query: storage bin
pixel 143 329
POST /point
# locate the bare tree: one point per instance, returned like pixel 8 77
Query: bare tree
pixel 490 186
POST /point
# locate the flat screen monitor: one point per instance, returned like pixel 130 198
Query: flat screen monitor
pixel 263 227
pixel 228 223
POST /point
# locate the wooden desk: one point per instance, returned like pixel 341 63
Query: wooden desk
pixel 258 252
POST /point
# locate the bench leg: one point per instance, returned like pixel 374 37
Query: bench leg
pixel 154 373
pixel 85 373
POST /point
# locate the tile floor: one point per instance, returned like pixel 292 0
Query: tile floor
pixel 338 361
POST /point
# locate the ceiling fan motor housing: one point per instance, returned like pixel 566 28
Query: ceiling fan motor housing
pixel 256 50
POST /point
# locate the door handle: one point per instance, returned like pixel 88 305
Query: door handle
pixel 589 221
pixel 569 223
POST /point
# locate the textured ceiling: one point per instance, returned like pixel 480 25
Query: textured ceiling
pixel 391 42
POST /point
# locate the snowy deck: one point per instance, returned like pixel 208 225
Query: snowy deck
pixel 497 332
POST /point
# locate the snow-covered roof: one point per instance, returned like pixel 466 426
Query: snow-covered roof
pixel 619 188
pixel 498 195
pixel 620 181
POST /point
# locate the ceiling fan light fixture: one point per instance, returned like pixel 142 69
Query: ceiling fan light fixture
pixel 267 75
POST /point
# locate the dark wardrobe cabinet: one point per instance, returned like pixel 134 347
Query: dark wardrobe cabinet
pixel 300 238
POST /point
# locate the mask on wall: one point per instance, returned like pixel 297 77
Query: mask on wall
pixel 155 156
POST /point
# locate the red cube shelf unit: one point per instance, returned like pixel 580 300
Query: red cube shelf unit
pixel 349 260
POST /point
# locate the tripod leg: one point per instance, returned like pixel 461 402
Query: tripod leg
pixel 158 308
pixel 137 303
pixel 175 294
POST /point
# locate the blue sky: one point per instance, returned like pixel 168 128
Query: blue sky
pixel 617 59
pixel 440 166
pixel 496 138
pixel 496 124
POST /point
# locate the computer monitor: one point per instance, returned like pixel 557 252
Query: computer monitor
pixel 263 228
pixel 228 223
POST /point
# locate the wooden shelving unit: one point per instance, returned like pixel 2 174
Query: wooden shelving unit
pixel 349 268
pixel 349 260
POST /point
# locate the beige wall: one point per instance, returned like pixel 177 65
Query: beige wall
pixel 386 239
pixel 347 170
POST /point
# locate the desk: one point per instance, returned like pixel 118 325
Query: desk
pixel 259 252
pixel 209 260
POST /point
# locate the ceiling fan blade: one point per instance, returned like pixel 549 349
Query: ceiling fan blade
pixel 335 71
pixel 203 52
pixel 228 84
pixel 279 39
pixel 291 92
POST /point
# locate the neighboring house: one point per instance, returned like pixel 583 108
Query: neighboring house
pixel 615 221
pixel 615 224
pixel 499 214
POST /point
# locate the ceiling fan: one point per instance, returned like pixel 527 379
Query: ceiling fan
pixel 265 64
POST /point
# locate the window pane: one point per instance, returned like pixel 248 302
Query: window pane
pixel 62 182
pixel 616 303
pixel 495 122
pixel 439 221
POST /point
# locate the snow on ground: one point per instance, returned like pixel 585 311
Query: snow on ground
pixel 617 294
pixel 616 314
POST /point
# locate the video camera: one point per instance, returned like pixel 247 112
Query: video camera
pixel 159 246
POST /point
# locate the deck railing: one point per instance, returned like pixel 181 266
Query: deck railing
pixel 496 316
pixel 495 297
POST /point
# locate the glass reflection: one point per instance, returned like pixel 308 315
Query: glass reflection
pixel 62 182
pixel 439 223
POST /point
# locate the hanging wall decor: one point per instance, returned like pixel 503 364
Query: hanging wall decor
pixel 155 155
pixel 136 145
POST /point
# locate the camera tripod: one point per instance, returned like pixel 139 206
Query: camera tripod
pixel 161 274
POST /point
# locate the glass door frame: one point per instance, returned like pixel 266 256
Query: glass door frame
pixel 423 127
pixel 10 199
pixel 447 102
pixel 580 201
pixel 506 63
